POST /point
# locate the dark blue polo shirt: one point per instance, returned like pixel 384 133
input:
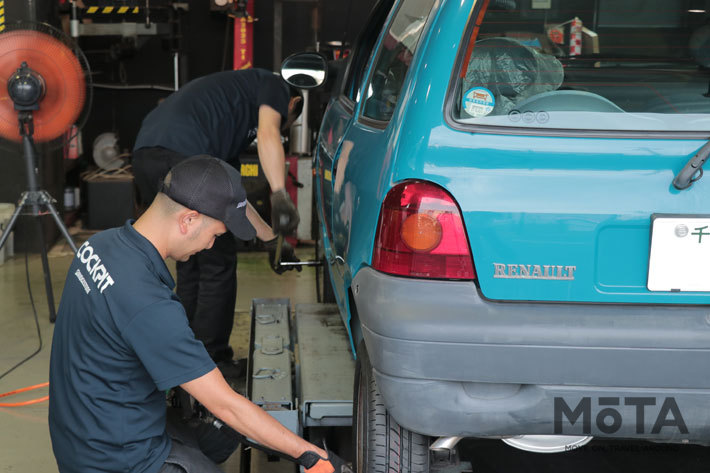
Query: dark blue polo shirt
pixel 121 339
pixel 216 114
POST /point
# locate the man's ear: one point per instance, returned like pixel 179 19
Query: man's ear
pixel 292 103
pixel 187 220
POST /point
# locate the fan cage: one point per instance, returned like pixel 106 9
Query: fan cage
pixel 71 130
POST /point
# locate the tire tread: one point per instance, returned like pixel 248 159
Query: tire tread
pixel 391 447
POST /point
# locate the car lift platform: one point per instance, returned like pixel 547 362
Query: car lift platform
pixel 300 370
pixel 300 367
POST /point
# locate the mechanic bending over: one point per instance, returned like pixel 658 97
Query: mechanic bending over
pixel 122 339
pixel 220 115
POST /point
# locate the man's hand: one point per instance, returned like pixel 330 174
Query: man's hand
pixel 287 254
pixel 314 463
pixel 284 216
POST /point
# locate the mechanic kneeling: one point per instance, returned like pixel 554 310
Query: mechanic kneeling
pixel 122 339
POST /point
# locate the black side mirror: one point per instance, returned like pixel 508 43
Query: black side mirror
pixel 305 70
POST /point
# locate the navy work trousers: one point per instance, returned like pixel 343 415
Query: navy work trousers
pixel 197 449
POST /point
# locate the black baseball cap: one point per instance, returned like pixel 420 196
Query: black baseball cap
pixel 211 187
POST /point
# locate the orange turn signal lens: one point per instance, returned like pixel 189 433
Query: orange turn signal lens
pixel 421 232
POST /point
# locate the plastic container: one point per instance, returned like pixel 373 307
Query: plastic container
pixel 8 250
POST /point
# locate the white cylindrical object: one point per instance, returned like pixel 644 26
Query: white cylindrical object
pixel 68 198
pixel 575 37
pixel 305 129
pixel 300 142
pixel 176 70
pixel 74 28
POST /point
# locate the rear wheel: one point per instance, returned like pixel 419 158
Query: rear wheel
pixel 381 444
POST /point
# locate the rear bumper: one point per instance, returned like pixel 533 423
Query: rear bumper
pixel 451 363
pixel 446 408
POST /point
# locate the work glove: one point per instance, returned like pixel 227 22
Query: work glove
pixel 284 216
pixel 287 254
pixel 314 463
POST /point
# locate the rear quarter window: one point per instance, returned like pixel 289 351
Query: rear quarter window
pixel 394 57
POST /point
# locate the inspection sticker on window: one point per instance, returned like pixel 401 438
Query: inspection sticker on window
pixel 478 102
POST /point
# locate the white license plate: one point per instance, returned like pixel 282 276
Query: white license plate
pixel 680 253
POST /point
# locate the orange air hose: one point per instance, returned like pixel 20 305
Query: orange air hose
pixel 22 390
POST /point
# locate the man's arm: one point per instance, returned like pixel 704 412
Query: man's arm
pixel 267 235
pixel 284 216
pixel 213 392
pixel 263 230
pixel 269 147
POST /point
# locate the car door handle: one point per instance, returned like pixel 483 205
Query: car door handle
pixel 336 259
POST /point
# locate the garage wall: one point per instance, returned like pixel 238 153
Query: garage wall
pixel 205 46
pixel 203 51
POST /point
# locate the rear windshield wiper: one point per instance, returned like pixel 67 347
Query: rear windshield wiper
pixel 693 169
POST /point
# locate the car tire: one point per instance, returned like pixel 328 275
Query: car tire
pixel 381 445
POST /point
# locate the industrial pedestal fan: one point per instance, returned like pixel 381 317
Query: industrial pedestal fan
pixel 44 91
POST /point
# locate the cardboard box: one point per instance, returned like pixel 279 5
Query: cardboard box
pixel 590 41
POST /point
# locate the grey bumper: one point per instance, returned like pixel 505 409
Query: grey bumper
pixel 451 363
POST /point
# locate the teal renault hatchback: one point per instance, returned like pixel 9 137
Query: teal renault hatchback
pixel 516 226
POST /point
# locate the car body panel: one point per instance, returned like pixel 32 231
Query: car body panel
pixel 573 205
pixel 338 119
pixel 345 188
pixel 552 207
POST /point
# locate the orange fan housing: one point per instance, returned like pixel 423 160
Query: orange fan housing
pixel 64 82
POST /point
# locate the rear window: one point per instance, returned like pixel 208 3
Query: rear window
pixel 637 65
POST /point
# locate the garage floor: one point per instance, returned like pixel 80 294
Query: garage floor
pixel 24 436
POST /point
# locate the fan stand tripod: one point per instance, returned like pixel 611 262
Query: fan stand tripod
pixel 38 201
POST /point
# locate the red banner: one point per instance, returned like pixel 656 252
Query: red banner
pixel 244 39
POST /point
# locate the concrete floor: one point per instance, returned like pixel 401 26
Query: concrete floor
pixel 24 437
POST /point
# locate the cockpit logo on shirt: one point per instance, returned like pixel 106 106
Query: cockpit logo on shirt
pixel 97 271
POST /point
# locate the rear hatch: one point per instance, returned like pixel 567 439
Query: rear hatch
pixel 570 219
pixel 571 126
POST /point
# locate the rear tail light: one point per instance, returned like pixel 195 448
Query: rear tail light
pixel 421 234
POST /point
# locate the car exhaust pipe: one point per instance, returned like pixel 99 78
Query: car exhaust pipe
pixel 445 444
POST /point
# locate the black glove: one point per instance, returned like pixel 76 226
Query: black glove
pixel 314 463
pixel 287 254
pixel 284 216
